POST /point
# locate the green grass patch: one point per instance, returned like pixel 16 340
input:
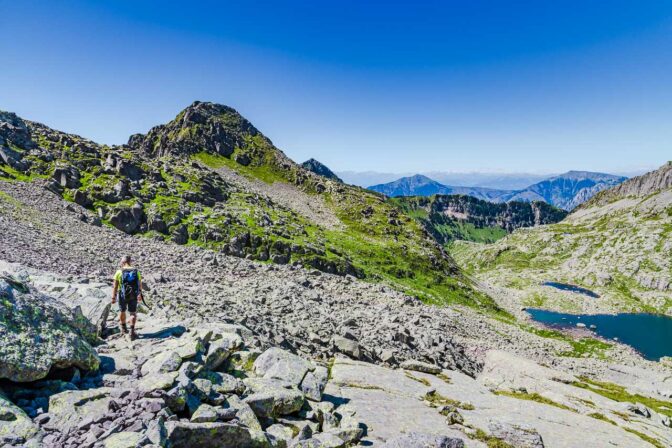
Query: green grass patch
pixel 266 173
pixel 619 393
pixel 445 378
pixel 645 438
pixel 598 416
pixel 490 441
pixel 535 300
pixel 422 381
pixel 532 397
pixel 587 347
pixel 436 400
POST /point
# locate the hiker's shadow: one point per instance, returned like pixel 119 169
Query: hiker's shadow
pixel 176 331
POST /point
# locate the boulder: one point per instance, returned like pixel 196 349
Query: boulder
pixel 203 389
pixel 127 219
pixel 124 439
pixel 347 347
pixel 275 402
pixel 313 384
pixel 223 383
pixel 214 435
pixel 15 425
pixel 168 361
pixel 38 333
pixel 68 408
pixel 157 381
pixel 281 432
pixel 419 440
pixel 420 366
pixel 520 435
pixel 67 177
pixel 279 364
pixel 221 349
pixel 205 413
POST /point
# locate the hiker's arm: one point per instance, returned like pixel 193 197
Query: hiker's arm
pixel 140 297
pixel 115 286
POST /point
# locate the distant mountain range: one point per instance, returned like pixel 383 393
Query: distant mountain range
pixel 498 181
pixel 565 191
pixel 420 185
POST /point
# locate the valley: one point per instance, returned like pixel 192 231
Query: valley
pixel 616 245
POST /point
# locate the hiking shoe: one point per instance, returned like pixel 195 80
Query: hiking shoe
pixel 134 335
pixel 124 329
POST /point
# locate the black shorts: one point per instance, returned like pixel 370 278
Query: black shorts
pixel 130 305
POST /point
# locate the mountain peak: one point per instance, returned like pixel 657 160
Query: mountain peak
pixel 640 186
pixel 589 175
pixel 321 169
pixel 200 127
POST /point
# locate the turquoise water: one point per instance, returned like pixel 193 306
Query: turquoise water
pixel 649 334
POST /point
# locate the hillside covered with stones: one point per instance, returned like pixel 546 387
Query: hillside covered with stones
pixel 232 353
pixel 210 178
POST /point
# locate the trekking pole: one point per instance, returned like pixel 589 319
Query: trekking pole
pixel 145 302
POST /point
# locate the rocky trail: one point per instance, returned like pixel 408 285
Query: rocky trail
pixel 194 382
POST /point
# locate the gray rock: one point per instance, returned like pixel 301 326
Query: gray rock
pixel 14 422
pixel 38 333
pixel 124 439
pixel 223 383
pixel 204 413
pixel 281 432
pixel 67 409
pixel 214 435
pixel 520 436
pixel 419 440
pixel 221 349
pixel 164 362
pixel 347 346
pixel 156 432
pixel 276 363
pixel 420 366
pixel 275 402
pixel 312 386
pixel 244 413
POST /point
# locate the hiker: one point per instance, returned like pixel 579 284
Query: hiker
pixel 127 288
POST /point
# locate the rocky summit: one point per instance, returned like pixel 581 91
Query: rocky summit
pixel 319 168
pixel 285 309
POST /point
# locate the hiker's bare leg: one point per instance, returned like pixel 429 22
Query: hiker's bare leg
pixel 122 318
pixel 133 319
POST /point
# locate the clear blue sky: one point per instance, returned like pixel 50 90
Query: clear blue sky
pixel 361 85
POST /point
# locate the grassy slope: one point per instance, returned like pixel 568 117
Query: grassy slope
pixel 446 229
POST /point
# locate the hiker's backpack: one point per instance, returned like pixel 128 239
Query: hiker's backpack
pixel 130 284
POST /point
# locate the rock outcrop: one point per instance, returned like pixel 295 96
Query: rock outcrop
pixel 38 334
pixel 640 186
pixel 320 169
pixel 461 217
